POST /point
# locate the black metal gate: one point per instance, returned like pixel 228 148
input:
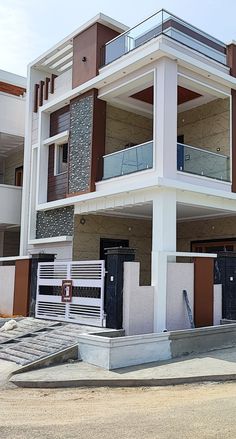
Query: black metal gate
pixel 225 273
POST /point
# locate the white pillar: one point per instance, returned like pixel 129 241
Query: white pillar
pixel 163 240
pixel 33 77
pixel 165 118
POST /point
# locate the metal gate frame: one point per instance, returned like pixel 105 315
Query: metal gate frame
pixel 84 310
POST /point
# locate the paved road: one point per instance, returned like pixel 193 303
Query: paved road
pixel 193 411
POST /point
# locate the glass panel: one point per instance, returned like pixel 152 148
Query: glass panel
pixel 127 161
pixel 201 162
pixel 173 27
pixel 194 38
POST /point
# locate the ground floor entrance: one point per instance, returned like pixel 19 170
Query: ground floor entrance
pixel 163 226
pixel 71 292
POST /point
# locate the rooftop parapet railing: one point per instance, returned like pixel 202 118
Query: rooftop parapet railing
pixel 168 24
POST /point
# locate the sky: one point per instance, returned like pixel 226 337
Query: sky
pixel 30 27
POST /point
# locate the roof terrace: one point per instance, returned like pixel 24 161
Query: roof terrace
pixel 164 23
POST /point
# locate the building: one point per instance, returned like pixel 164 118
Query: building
pixel 131 141
pixel 12 127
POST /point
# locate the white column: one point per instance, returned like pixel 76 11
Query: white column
pixel 163 240
pixel 165 118
pixel 33 77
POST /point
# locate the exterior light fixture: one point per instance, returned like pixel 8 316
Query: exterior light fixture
pixel 82 221
pixel 84 59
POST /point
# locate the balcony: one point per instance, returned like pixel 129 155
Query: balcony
pixel 202 162
pixel 10 202
pixel 164 23
pixel 127 161
pixel 12 117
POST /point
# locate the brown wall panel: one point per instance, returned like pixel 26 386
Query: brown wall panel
pixel 231 58
pixel 60 121
pixel 22 287
pixel 104 34
pixel 88 45
pixel 203 291
pixel 57 184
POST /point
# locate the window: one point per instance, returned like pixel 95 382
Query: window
pixel 214 246
pixel 61 158
pixel 19 176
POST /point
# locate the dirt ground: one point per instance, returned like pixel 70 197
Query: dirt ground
pixel 191 411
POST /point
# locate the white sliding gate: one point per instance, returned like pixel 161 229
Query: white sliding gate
pixel 86 304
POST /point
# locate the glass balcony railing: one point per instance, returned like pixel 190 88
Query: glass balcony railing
pixel 202 162
pixel 164 23
pixel 133 159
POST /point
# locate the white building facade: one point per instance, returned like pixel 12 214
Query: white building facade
pixel 130 141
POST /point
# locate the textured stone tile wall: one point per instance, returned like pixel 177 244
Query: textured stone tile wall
pixel 81 124
pixel 124 127
pixel 86 244
pixel 207 126
pixel 218 228
pixel 55 222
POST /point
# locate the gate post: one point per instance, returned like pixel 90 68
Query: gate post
pixel 116 256
pixel 36 258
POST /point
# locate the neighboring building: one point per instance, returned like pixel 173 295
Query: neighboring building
pixel 131 140
pixel 12 127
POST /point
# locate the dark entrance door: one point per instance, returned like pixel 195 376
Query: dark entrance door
pixel 226 267
pixel 109 243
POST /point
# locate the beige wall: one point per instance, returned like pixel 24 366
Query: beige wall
pixel 180 276
pixel 137 302
pixel 207 126
pixel 86 244
pixel 15 160
pixel 218 228
pixel 124 127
